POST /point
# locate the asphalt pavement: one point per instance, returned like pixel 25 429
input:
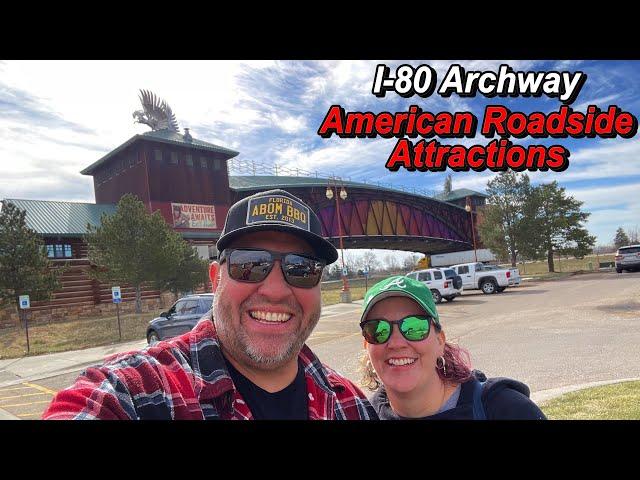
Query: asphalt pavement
pixel 556 336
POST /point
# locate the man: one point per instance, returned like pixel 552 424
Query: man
pixel 246 360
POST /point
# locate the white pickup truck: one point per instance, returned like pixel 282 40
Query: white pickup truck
pixel 488 278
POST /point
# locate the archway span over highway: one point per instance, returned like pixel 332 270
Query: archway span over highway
pixel 371 216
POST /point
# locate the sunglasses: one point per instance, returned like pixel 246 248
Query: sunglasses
pixel 414 328
pixel 254 265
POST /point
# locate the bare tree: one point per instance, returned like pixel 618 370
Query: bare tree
pixel 352 262
pixel 410 262
pixel 370 259
pixel 391 262
pixel 448 185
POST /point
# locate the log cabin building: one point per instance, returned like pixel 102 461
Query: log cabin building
pixel 184 178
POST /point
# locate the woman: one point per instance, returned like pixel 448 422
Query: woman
pixel 417 373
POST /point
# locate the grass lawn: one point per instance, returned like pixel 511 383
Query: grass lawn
pixel 86 333
pixel 72 335
pixel 358 286
pixel 619 401
pixel 330 297
pixel 564 265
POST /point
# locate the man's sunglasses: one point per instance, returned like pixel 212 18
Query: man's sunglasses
pixel 414 328
pixel 254 265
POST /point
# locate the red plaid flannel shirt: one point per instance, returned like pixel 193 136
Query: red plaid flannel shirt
pixel 186 378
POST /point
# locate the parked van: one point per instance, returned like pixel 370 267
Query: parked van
pixel 437 281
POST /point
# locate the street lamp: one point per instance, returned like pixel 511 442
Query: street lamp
pixel 345 294
pixel 467 207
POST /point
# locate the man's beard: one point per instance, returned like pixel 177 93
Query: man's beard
pixel 236 341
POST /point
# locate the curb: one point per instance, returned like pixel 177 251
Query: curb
pixel 542 396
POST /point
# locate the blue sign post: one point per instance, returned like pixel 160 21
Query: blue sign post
pixel 25 304
pixel 117 298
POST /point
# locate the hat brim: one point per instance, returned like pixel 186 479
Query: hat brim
pixel 322 248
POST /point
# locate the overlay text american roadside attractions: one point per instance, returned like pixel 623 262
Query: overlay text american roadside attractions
pixel 498 122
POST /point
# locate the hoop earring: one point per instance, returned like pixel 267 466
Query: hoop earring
pixel 442 367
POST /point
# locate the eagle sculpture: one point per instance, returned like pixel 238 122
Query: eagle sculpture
pixel 155 112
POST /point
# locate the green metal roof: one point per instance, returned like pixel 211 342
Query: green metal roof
pixel 460 193
pixel 69 219
pixel 162 136
pixel 61 218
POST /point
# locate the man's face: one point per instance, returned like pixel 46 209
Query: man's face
pixel 264 325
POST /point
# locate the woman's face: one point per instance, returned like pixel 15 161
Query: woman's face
pixel 403 365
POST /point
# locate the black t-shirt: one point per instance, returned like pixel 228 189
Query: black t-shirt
pixel 287 404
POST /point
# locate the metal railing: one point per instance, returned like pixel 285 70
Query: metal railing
pixel 250 167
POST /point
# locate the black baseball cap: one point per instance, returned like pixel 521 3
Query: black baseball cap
pixel 276 210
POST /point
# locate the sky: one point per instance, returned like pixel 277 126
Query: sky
pixel 58 117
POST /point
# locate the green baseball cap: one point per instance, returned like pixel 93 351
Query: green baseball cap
pixel 401 286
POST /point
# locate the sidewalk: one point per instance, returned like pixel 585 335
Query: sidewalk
pixel 542 396
pixel 18 370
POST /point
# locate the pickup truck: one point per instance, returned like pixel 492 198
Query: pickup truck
pixel 488 278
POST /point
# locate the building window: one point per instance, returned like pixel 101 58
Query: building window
pixel 189 161
pixel 216 164
pixel 59 250
pixel 203 162
pixel 158 154
pixel 132 159
pixel 174 158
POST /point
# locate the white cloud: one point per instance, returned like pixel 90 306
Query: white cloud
pixel 601 102
pixel 289 123
pixel 606 196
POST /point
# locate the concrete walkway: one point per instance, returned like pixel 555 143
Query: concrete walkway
pixel 543 396
pixel 17 370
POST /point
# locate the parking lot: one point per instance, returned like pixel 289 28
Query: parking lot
pixel 548 334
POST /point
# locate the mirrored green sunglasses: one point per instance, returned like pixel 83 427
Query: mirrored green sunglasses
pixel 413 327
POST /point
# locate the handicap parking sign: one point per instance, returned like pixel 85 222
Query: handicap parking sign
pixel 24 301
pixel 116 295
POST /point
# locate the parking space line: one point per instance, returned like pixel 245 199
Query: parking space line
pixel 15 388
pixel 29 415
pixel 24 404
pixel 41 388
pixel 25 395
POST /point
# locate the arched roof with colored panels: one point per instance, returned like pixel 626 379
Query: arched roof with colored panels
pixel 371 216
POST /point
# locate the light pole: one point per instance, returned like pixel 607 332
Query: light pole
pixel 345 294
pixel 467 207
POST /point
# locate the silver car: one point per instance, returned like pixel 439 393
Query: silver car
pixel 628 258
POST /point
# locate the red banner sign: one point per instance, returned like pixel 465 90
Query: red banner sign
pixel 186 215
